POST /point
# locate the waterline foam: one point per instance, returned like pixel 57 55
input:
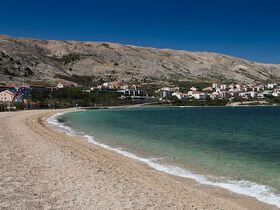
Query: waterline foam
pixel 260 192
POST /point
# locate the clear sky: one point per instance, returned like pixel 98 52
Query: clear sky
pixel 244 28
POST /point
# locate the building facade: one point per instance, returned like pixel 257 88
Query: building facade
pixel 6 96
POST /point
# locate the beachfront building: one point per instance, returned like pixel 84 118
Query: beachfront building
pixel 253 94
pixel 165 93
pixel 132 92
pixel 244 95
pixel 178 95
pixel 198 95
pixel 6 96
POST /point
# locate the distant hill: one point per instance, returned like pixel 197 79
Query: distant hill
pixel 32 60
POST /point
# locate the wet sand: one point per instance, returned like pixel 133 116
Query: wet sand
pixel 41 167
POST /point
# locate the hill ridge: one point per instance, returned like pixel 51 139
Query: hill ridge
pixel 28 60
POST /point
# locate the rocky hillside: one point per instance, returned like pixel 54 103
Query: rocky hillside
pixel 30 60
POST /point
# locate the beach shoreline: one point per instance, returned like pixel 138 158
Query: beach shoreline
pixel 237 104
pixel 60 170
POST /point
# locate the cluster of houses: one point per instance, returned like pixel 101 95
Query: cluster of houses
pixel 13 93
pixel 18 93
pixel 134 92
pixel 223 91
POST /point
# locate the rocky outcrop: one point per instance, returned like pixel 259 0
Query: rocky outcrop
pixel 29 60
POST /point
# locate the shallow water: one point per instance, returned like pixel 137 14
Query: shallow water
pixel 235 148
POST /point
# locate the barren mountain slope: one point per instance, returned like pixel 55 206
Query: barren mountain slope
pixel 27 60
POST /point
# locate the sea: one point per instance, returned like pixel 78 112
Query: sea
pixel 236 148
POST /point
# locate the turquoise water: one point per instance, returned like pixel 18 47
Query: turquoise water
pixel 223 144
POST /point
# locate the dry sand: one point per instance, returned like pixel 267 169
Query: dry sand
pixel 43 168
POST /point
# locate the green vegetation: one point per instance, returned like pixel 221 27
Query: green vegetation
pixel 2 107
pixel 83 80
pixel 274 100
pixel 66 59
pixel 191 102
pixel 71 97
pixel 151 88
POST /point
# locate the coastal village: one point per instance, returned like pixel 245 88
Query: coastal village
pixel 223 91
pixel 10 95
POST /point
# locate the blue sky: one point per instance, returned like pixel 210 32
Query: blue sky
pixel 244 28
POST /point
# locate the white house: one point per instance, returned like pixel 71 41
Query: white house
pixel 223 87
pixel 193 89
pixel 123 87
pixel 238 87
pixel 253 94
pixel 231 86
pixel 198 95
pixel 60 85
pixel 6 96
pixel 214 85
pixel 177 95
pixel 105 85
pixel 271 86
pixel 214 95
pixel 245 95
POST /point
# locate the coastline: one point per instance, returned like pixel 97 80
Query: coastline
pixel 66 171
pixel 237 104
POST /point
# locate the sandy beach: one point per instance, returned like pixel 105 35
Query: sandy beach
pixel 43 168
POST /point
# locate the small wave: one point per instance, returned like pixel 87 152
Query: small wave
pixel 55 121
pixel 260 192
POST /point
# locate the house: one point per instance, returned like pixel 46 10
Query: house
pixel 253 94
pixel 232 92
pixel 261 95
pixel 198 95
pixel 165 93
pixel 193 89
pixel 264 94
pixel 214 85
pixel 6 96
pixel 223 87
pixel 238 87
pixel 132 92
pixel 178 95
pixel 223 94
pixel 123 87
pixel 214 95
pixel 271 86
pixel 232 86
pixel 60 85
pixel 208 89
